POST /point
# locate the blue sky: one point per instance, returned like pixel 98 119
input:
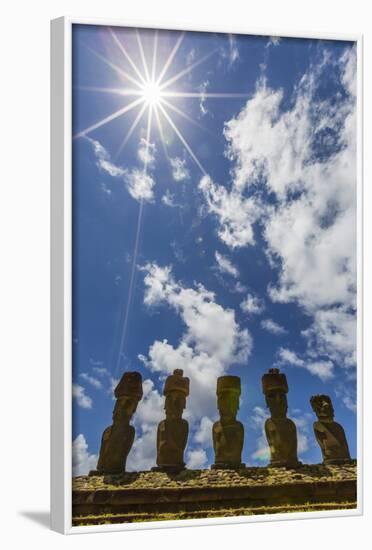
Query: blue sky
pixel 213 229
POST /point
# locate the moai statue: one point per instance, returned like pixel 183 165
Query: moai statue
pixel 329 434
pixel 280 431
pixel 117 440
pixel 174 430
pixel 228 433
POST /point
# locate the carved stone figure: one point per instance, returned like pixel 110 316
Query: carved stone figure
pixel 174 430
pixel 281 432
pixel 117 439
pixel 228 433
pixel 329 434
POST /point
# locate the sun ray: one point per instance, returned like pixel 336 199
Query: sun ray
pixel 131 130
pixel 170 58
pixel 135 251
pixel 182 73
pixel 161 133
pixel 182 139
pixel 116 68
pixel 117 91
pixel 216 95
pixel 148 134
pixel 127 57
pixel 184 115
pixel 144 63
pixel 155 52
pixel 130 289
pixel 109 118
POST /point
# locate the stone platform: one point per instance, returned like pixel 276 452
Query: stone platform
pixel 153 496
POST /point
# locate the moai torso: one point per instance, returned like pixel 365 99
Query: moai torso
pixel 332 441
pixel 117 439
pixel 174 430
pixel 281 436
pixel 116 443
pixel 281 432
pixel 329 434
pixel 171 442
pixel 228 433
pixel 228 442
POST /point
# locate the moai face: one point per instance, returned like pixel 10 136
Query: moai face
pixel 175 402
pixel 124 409
pixel 277 403
pixel 322 406
pixel 228 405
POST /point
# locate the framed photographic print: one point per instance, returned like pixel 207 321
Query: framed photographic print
pixel 206 276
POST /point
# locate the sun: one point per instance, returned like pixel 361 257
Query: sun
pixel 151 93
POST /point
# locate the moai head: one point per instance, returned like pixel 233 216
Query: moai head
pixel 228 393
pixel 128 393
pixel 322 406
pixel 275 388
pixel 176 389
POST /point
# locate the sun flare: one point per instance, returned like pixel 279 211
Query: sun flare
pixel 151 93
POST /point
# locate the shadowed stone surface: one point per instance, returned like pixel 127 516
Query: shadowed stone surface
pixel 117 439
pixel 150 496
pixel 329 434
pixel 228 433
pixel 174 430
pixel 281 432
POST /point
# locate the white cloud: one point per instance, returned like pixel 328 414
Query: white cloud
pixel 203 435
pixel 239 287
pixel 257 421
pixel 146 152
pixel 143 453
pixel 347 394
pixel 202 89
pixel 196 459
pixel 333 333
pixel 82 461
pixel 106 189
pixel 93 381
pixel 140 185
pixel 225 265
pixel 103 159
pixel 103 379
pixel 101 371
pixel 324 369
pixel 273 327
pixel 252 305
pixel 211 329
pixel 190 57
pixel 179 169
pixel 273 41
pixel 168 200
pixel 150 412
pixel 288 356
pixel 83 400
pixel 138 182
pixel 305 156
pixel 235 213
pixel 305 436
pixel 231 52
pixel 150 409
